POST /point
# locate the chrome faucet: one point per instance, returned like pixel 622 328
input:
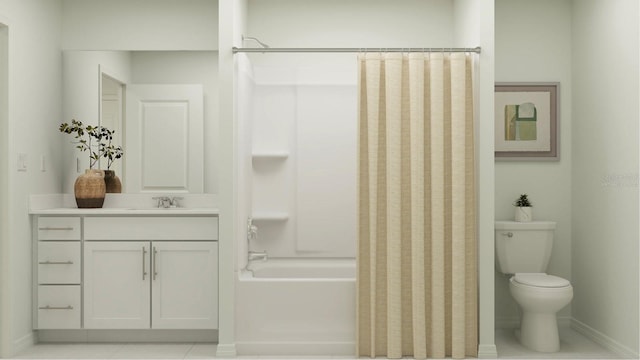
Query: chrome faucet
pixel 174 201
pixel 163 201
pixel 252 234
pixel 167 202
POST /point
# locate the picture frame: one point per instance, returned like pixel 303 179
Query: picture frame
pixel 526 121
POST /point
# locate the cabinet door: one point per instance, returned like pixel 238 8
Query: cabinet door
pixel 185 285
pixel 117 285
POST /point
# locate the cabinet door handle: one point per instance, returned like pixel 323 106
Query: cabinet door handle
pixel 144 262
pixel 69 307
pixel 69 228
pixel 56 262
pixel 155 261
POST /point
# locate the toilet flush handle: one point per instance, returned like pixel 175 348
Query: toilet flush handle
pixel 508 234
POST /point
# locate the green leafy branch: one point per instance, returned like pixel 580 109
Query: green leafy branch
pixel 110 151
pixel 97 140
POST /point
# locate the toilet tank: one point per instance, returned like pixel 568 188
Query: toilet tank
pixel 523 246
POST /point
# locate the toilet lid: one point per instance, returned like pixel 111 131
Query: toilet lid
pixel 541 280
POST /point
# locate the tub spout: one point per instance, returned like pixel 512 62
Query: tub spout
pixel 258 255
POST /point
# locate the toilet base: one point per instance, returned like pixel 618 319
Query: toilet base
pixel 539 332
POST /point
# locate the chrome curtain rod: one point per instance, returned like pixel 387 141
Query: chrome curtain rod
pixel 350 50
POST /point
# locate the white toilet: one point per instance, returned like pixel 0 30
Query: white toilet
pixel 523 250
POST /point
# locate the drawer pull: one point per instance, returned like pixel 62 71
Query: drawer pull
pixel 56 262
pixel 69 228
pixel 56 307
pixel 144 262
pixel 155 270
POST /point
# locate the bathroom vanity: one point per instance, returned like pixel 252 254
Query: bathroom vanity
pixel 125 269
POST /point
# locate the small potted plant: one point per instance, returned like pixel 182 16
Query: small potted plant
pixel 90 187
pixel 523 209
pixel 111 153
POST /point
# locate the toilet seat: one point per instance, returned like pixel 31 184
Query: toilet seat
pixel 540 280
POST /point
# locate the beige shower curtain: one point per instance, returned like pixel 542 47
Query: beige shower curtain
pixel 417 286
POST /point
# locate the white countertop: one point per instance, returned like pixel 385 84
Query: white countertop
pixel 127 211
pixel 124 204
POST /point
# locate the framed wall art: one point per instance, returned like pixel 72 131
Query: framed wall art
pixel 526 121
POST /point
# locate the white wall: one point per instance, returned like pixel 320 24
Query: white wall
pixel 354 23
pixel 34 114
pixel 140 25
pixel 232 188
pixel 605 169
pixel 474 26
pixel 5 269
pixel 533 44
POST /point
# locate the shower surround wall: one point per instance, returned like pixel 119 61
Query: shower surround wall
pixel 298 162
pixel 303 148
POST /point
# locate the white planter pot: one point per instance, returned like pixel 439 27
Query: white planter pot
pixel 524 214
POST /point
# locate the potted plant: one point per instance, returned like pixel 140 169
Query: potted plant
pixel 523 209
pixel 111 153
pixel 90 187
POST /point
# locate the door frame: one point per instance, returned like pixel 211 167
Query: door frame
pixel 6 343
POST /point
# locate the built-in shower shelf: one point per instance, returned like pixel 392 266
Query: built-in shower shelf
pixel 271 216
pixel 270 156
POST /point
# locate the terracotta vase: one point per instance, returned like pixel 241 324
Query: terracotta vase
pixel 112 181
pixel 89 189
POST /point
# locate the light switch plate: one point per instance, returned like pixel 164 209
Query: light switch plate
pixel 22 162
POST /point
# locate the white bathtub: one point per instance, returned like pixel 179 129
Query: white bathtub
pixel 297 307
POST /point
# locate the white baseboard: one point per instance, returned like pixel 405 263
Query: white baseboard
pixel 487 351
pixel 302 348
pixel 100 336
pixel 24 342
pixel 603 340
pixel 226 351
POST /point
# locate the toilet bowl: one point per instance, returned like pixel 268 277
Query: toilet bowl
pixel 540 297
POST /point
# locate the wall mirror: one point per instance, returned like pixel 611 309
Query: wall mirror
pixel 161 105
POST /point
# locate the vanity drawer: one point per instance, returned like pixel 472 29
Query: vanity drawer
pixel 58 262
pixel 58 228
pixel 151 228
pixel 59 307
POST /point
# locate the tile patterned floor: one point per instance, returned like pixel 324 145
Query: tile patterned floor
pixel 573 346
pixel 119 351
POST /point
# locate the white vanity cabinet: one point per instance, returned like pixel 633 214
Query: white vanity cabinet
pixel 128 272
pixel 158 285
pixel 150 272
